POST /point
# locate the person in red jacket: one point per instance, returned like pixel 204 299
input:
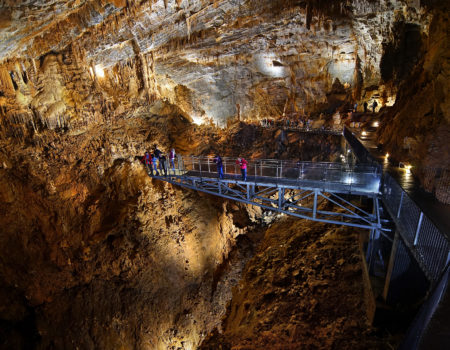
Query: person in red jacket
pixel 243 164
pixel 148 162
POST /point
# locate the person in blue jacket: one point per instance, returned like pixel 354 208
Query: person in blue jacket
pixel 218 161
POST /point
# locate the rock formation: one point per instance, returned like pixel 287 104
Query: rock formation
pixel 96 254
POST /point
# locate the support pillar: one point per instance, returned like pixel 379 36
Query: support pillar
pixel 390 268
pixel 280 198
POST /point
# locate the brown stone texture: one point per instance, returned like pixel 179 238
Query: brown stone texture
pixel 303 289
pixel 96 255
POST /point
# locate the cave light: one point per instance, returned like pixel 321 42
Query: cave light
pixel 196 119
pixel 99 71
pixel 364 133
pixel 376 124
pixel 269 64
pixel 348 179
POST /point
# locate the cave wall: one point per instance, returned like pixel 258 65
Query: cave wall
pixel 97 255
pixel 213 58
pixel 80 220
pixel 416 129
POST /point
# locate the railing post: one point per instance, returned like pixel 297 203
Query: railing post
pixel 281 169
pixel 419 224
pixel 315 204
pixel 400 205
pixel 209 169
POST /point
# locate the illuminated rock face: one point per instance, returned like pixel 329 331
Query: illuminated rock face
pixel 215 58
pixel 93 245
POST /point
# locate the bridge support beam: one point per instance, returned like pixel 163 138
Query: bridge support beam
pixel 315 203
pixel 387 281
pixel 281 198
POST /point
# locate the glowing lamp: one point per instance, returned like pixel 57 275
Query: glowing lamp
pixel 364 133
pixel 99 72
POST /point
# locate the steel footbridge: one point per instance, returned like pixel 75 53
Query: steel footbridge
pixel 301 189
pixel 405 248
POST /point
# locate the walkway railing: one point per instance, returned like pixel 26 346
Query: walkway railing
pixel 360 177
pixel 430 247
pixel 361 153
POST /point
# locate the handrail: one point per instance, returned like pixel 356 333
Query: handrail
pixel 334 176
pixel 288 163
pixel 430 246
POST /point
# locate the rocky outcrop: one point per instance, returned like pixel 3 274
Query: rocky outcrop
pixel 99 255
pixel 291 295
pixel 416 129
pixel 218 60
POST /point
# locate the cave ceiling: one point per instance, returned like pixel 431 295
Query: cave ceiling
pixel 217 58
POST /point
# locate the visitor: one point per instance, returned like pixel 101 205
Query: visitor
pixel 243 164
pixel 365 106
pixel 162 163
pixel 355 107
pixel 218 161
pixel 374 105
pixel 155 164
pixel 156 152
pixel 172 158
pixel 148 162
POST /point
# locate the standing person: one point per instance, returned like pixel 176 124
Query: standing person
pixel 148 162
pixel 355 107
pixel 243 164
pixel 156 152
pixel 172 158
pixel 374 105
pixel 365 106
pixel 155 164
pixel 218 161
pixel 162 163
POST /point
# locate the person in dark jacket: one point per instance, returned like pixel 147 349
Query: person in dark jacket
pixel 218 161
pixel 374 106
pixel 162 164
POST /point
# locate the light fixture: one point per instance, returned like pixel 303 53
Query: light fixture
pixel 375 124
pixel 387 155
pixel 364 133
pixel 99 72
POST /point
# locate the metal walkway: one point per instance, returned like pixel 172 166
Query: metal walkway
pixel 429 246
pixel 300 189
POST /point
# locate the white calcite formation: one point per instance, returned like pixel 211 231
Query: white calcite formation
pixel 215 58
